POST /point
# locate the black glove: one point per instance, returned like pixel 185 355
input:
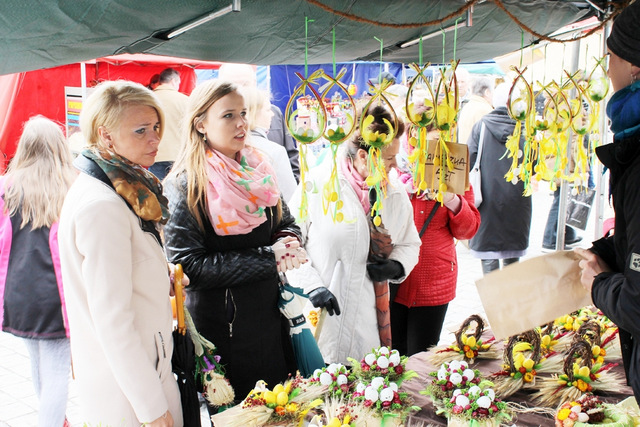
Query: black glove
pixel 323 298
pixel 384 270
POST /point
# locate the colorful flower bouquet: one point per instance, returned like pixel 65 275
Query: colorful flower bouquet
pixel 336 377
pixel 382 362
pixel 384 397
pixel 580 375
pixel 468 345
pixel 590 410
pixel 451 376
pixel 286 404
pixel 476 407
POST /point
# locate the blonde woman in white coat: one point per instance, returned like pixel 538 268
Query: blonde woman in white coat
pixel 115 273
pixel 338 251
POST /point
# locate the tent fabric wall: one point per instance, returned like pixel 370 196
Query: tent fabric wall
pixel 24 95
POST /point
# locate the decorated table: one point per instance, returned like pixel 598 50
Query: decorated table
pixel 427 415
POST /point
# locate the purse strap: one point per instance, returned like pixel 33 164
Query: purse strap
pixel 480 144
pixel 429 218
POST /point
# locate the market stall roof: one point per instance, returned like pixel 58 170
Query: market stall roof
pixel 48 33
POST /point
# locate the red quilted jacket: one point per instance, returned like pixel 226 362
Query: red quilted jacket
pixel 433 280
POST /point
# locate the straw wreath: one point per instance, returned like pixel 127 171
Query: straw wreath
pixel 468 345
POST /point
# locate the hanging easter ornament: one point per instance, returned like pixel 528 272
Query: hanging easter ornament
pixel 377 141
pixel 520 105
pixel 596 90
pixel 445 122
pixel 306 120
pixel 559 131
pixel 581 126
pixel 341 112
pixel 420 112
pixel 547 166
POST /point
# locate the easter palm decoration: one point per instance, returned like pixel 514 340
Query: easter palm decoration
pixel 336 135
pixel 306 119
pixel 419 106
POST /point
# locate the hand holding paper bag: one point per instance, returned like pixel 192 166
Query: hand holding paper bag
pixel 531 293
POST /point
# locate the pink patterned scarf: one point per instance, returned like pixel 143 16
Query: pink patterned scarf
pixel 239 191
pixel 357 182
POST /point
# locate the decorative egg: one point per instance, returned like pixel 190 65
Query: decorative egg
pixel 442 373
pixel 455 378
pixel 342 379
pixel 371 394
pixel 333 368
pixel 490 393
pixel 462 400
pixel 454 365
pixel 394 357
pixel 473 390
pixel 484 402
pixel 583 417
pixel 369 359
pixel 360 387
pixel 316 373
pixel 456 392
pixel 377 382
pixel 326 378
pixel 386 395
pixel 577 409
pixel 463 365
pixel 469 374
pixel 393 386
pixel 383 362
pixel 384 350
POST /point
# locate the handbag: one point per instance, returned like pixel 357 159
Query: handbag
pixel 475 178
pixel 579 207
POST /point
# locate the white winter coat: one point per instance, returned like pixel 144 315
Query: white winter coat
pixel 117 290
pixel 338 255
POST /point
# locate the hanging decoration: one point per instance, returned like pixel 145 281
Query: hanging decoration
pixel 571 109
pixel 419 106
pixel 445 119
pixel 306 119
pixel 341 123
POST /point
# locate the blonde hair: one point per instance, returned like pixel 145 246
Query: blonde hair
pixel 255 100
pixel 191 158
pixel 105 106
pixel 39 174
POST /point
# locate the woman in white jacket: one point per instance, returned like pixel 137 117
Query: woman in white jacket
pixel 339 251
pixel 115 274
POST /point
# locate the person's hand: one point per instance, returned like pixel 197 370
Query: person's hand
pixel 166 420
pixel 289 254
pixel 172 278
pixel 447 197
pixel 382 270
pixel 591 265
pixel 323 298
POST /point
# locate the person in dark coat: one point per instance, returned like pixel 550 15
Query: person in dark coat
pixel 505 212
pixel 611 267
pixel 232 234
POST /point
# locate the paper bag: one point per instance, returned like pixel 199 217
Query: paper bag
pixel 532 293
pixel 457 180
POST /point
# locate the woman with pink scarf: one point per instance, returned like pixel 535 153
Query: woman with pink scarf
pixel 232 233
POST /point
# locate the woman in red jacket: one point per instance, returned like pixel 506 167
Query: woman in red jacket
pixel 419 307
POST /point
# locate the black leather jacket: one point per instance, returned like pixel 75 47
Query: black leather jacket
pixel 233 294
pixel 617 293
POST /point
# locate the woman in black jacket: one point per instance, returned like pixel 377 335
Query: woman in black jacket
pixel 611 267
pixel 233 235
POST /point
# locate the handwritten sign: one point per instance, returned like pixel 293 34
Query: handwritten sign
pixel 457 179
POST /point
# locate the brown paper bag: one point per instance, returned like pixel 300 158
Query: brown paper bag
pixel 457 180
pixel 531 293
